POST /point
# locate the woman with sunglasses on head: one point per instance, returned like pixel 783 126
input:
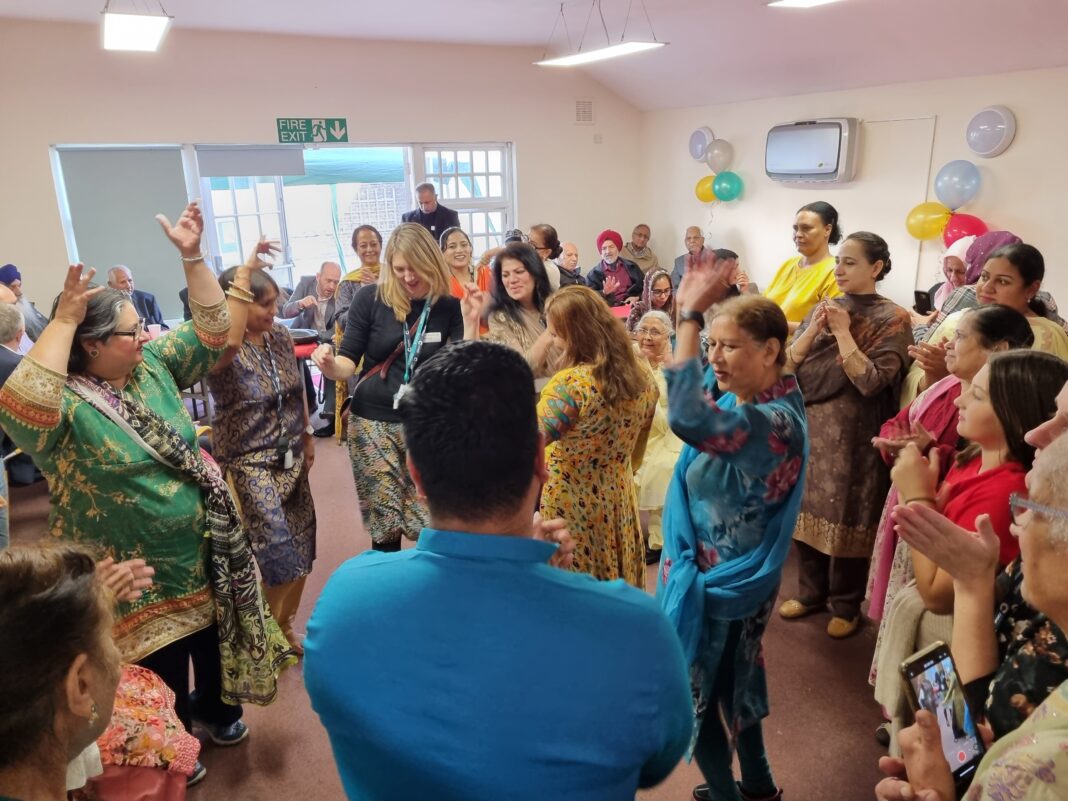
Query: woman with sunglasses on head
pixel 97 405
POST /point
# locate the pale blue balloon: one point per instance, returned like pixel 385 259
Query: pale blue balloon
pixel 957 183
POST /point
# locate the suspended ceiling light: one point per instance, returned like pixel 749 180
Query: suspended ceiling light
pixel 799 3
pixel 620 48
pixel 135 30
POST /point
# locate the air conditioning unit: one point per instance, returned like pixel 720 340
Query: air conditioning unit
pixel 812 151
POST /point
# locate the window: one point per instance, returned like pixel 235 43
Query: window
pixel 475 181
pixel 243 208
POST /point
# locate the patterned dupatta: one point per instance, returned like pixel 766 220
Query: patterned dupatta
pixel 252 648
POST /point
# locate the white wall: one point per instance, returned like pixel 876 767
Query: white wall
pixel 1022 189
pixel 59 87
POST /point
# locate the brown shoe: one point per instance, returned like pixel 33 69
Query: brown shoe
pixel 840 628
pixel 793 609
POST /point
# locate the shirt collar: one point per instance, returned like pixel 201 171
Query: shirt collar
pixel 484 546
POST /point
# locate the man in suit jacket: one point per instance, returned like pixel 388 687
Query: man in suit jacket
pixel 120 278
pixel 312 305
pixel 431 215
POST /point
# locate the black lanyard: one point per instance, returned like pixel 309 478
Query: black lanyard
pixel 276 381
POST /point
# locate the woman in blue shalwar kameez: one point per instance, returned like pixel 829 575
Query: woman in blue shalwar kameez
pixel 728 520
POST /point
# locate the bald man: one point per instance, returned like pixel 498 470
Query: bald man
pixel 120 278
pixel 695 243
pixel 568 262
pixel 638 250
pixel 313 305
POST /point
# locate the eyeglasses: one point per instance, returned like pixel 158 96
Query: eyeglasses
pixel 650 332
pixel 1019 504
pixel 135 332
pixel 660 292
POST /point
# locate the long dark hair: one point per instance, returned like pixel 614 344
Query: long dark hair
pixel 1023 391
pixel 532 263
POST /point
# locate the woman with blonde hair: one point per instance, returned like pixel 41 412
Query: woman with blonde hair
pixel 394 327
pixel 596 414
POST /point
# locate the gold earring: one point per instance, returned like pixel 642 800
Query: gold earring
pixel 94 353
pixel 92 716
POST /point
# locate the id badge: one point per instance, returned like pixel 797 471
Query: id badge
pixel 400 394
pixel 285 455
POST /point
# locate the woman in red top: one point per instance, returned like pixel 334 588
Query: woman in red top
pixel 1008 397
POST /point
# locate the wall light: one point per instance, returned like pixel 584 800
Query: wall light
pixel 799 3
pixel 621 48
pixel 134 30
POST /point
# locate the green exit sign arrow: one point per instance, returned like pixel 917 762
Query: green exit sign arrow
pixel 312 129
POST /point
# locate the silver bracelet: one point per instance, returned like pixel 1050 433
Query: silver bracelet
pixel 193 259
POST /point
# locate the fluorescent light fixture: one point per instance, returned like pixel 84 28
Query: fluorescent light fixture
pixel 142 32
pixel 799 3
pixel 612 51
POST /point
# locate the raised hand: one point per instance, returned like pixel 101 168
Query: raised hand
pixel 75 295
pixel 185 234
pixel 741 280
pixel 472 304
pixel 706 282
pixel 611 286
pixel 265 247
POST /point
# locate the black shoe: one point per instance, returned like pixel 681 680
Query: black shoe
pixel 652 556
pixel 325 431
pixel 199 772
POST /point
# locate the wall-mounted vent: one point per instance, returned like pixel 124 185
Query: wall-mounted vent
pixel 583 112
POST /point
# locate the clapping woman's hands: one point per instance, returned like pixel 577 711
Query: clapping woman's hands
pixel 185 234
pixel 837 318
pixel 75 295
pixel 127 580
pixel 556 530
pixel 915 476
pixel 472 304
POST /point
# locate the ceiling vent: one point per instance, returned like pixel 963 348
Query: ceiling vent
pixel 583 112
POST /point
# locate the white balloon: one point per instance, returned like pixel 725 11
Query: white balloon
pixel 719 155
pixel 700 139
pixel 991 131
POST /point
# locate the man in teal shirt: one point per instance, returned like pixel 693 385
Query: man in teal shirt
pixel 470 667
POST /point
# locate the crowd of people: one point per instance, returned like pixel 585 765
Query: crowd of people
pixel 635 413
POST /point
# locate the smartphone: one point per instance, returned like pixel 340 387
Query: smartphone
pixel 933 684
pixel 923 302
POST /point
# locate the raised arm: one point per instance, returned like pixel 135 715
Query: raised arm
pixel 185 235
pixel 239 296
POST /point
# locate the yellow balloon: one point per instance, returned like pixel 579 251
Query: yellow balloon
pixel 704 191
pixel 928 220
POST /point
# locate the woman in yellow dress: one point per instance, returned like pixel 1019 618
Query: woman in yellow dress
pixel 596 414
pixel 803 281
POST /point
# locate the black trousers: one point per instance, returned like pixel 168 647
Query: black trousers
pixel 205 702
pixel 837 580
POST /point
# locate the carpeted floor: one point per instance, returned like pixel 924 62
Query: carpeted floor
pixel 819 735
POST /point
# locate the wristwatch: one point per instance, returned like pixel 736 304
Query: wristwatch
pixel 687 315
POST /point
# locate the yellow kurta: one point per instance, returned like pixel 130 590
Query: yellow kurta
pixel 1049 338
pixel 797 290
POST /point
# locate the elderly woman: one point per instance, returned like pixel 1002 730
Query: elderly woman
pixel 1031 761
pixel 616 279
pixel 952 267
pixel 61 666
pixel 596 413
pixel 263 440
pixel 849 355
pixel 517 311
pixel 367 245
pixel 1012 276
pixel 98 408
pixel 653 341
pixel 546 243
pixel 393 328
pixel 657 295
pixel 728 517
pixel 803 281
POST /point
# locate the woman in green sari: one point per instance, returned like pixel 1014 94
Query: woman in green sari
pixel 97 406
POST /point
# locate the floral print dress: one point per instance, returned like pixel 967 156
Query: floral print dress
pixel 592 453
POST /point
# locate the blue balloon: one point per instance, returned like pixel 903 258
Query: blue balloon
pixel 957 183
pixel 727 186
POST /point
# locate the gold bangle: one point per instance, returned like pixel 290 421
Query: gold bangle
pixel 240 299
pixel 919 499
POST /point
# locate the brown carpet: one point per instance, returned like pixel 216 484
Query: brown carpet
pixel 819 735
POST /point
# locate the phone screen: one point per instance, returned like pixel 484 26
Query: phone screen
pixel 936 687
pixel 923 302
